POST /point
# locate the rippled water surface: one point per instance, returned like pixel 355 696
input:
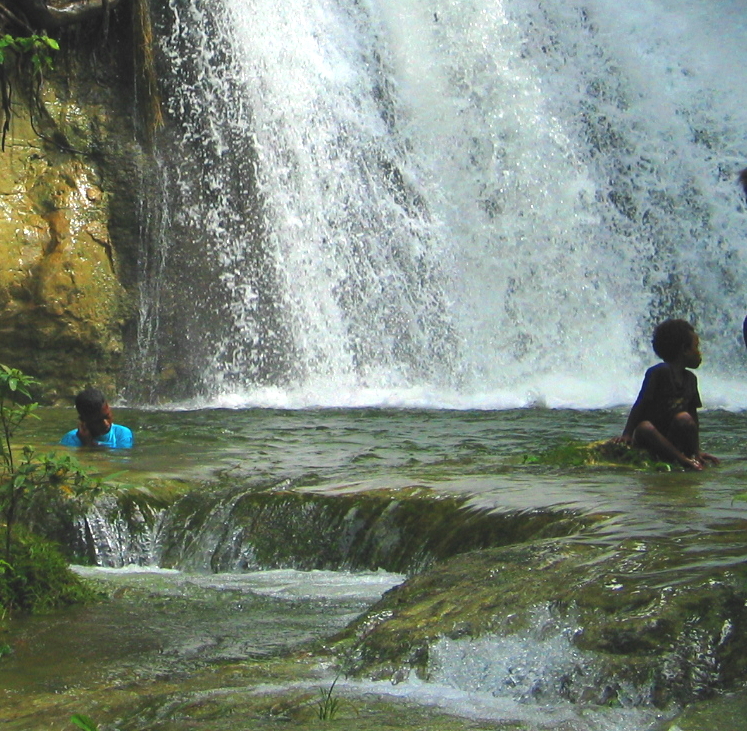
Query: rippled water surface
pixel 481 454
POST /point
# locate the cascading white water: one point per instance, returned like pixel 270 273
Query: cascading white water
pixel 468 203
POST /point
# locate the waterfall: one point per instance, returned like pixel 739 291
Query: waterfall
pixel 470 204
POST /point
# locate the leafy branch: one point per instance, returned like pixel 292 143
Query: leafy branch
pixel 35 49
pixel 13 384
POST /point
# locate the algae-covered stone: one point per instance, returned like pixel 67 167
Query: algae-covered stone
pixel 69 306
pixel 262 696
pixel 727 713
pixel 605 453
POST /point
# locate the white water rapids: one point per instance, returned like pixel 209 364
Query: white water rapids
pixel 472 204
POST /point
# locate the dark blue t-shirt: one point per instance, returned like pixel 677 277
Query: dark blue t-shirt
pixel 662 398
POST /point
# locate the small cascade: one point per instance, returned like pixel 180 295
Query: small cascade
pixel 538 667
pixel 242 530
pixel 115 540
pixel 520 667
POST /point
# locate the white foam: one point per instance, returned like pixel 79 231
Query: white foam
pixel 290 584
pixel 552 392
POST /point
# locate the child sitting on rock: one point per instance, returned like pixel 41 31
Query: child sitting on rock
pixel 664 418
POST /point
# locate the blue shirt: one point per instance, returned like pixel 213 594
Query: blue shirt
pixel 118 437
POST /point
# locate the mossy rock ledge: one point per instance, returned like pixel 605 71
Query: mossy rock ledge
pixel 633 637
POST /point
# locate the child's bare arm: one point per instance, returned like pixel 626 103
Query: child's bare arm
pixel 634 418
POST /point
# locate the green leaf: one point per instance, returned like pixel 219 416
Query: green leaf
pixel 84 722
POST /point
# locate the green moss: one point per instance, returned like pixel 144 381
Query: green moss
pixel 602 453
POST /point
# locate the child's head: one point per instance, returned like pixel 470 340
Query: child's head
pixel 672 338
pixel 93 411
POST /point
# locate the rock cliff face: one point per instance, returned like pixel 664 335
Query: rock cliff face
pixel 70 184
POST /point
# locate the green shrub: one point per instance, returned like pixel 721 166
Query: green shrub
pixel 38 578
pixel 34 490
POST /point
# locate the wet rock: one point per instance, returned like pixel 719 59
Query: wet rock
pixel 604 453
pixel 642 640
pixel 68 228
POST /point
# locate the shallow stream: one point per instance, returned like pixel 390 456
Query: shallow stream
pixel 162 624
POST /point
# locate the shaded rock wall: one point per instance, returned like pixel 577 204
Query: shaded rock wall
pixel 70 185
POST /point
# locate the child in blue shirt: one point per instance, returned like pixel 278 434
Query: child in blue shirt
pixel 95 424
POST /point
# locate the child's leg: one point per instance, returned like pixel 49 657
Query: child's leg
pixel 683 433
pixel 648 436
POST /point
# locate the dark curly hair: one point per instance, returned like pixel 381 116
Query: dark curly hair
pixel 671 337
pixel 90 405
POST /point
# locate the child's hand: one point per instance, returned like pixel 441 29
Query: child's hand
pixel 84 435
pixel 622 439
pixel 705 457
